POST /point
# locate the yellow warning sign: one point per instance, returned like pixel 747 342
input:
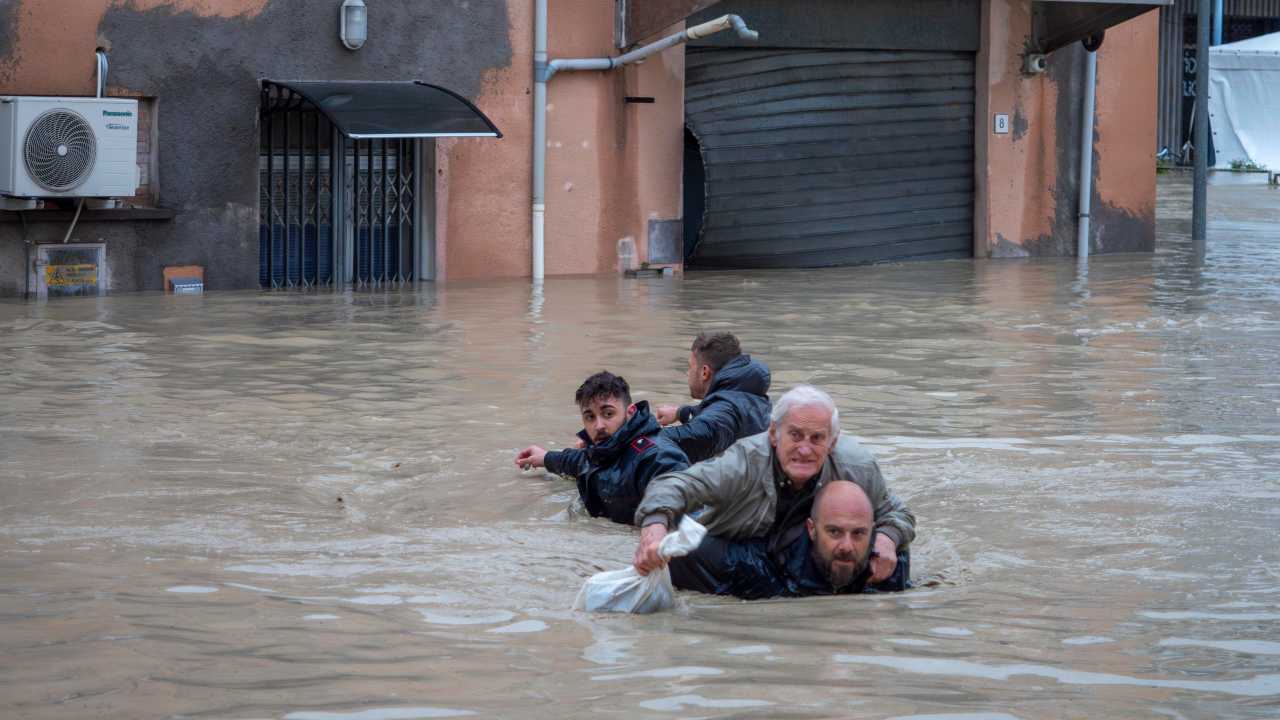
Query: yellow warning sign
pixel 71 275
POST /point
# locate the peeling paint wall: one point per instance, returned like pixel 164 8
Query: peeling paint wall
pixel 611 166
pixel 1124 191
pixel 1028 180
pixel 202 60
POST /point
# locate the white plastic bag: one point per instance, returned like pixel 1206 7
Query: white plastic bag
pixel 628 591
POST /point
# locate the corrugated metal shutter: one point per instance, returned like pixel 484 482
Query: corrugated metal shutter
pixel 833 157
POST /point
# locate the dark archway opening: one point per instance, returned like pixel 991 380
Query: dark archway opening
pixel 695 195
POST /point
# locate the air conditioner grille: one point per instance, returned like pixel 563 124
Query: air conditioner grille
pixel 59 150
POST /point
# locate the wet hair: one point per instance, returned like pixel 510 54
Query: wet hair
pixel 715 349
pixel 806 396
pixel 602 385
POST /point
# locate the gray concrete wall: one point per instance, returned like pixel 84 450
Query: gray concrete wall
pixel 204 71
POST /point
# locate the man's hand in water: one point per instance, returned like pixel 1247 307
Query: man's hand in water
pixel 666 414
pixel 885 558
pixel 647 558
pixel 531 457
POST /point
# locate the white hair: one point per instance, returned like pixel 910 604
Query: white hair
pixel 806 396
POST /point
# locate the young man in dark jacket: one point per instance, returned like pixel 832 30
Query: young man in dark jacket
pixel 734 390
pixel 623 449
pixel 828 554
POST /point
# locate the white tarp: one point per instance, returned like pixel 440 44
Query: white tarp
pixel 1244 101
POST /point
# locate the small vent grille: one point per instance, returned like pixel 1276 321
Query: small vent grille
pixel 59 150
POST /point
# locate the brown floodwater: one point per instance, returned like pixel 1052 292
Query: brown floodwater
pixel 1091 456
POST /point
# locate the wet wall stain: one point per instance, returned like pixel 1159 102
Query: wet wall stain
pixel 1006 249
pixel 1112 229
pixel 1020 123
pixel 1066 74
pixel 8 36
pixel 204 72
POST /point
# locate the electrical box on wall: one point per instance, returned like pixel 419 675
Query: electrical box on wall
pixel 68 147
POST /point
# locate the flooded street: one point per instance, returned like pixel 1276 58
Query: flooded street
pixel 301 506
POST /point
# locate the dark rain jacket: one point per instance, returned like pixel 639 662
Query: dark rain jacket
pixel 613 475
pixel 757 568
pixel 737 405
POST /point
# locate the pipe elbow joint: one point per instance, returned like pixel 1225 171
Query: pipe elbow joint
pixel 740 27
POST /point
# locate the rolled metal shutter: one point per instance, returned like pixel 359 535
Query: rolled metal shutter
pixel 832 157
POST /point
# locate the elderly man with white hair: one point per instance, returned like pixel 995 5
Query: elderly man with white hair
pixel 765 484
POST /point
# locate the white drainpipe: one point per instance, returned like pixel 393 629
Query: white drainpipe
pixel 1086 153
pixel 539 133
pixel 544 70
pixel 101 81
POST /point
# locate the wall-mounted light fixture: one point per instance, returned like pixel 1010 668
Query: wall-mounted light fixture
pixel 353 24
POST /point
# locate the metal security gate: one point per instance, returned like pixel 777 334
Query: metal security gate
pixel 832 157
pixel 373 242
pixel 295 203
pixel 381 176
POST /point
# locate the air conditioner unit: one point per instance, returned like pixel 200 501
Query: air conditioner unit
pixel 68 146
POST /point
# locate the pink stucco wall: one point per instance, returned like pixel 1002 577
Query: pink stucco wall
pixel 611 166
pixel 1026 180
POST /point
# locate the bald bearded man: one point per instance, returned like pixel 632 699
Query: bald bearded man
pixel 829 554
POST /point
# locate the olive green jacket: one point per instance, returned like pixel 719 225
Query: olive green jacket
pixel 740 493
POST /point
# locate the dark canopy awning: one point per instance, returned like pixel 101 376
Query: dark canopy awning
pixel 363 110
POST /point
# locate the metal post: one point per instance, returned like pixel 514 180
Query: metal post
pixel 288 277
pixel 1199 204
pixel 271 201
pixel 1086 152
pixel 302 199
pixel 1217 22
pixel 315 197
pixel 368 185
pixel 539 136
pixel 338 208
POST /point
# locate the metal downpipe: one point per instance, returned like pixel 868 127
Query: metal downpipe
pixel 544 70
pixel 539 136
pixel 1217 22
pixel 1086 152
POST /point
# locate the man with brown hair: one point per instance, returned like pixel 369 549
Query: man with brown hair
pixel 622 449
pixel 734 390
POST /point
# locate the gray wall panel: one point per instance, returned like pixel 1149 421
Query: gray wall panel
pixel 866 24
pixel 827 158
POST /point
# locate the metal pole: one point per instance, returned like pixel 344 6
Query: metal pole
pixel 1217 22
pixel 544 70
pixel 1199 204
pixel 1086 152
pixel 539 134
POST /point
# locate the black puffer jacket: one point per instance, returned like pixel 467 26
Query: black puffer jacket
pixel 613 475
pixel 757 568
pixel 737 405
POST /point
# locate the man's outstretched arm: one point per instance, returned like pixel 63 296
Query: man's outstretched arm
pixel 671 495
pixel 707 433
pixel 566 463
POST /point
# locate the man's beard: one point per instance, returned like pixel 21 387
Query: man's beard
pixel 842 576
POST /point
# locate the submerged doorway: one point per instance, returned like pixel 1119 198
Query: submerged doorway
pixel 344 175
pixel 374 201
pixel 695 194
